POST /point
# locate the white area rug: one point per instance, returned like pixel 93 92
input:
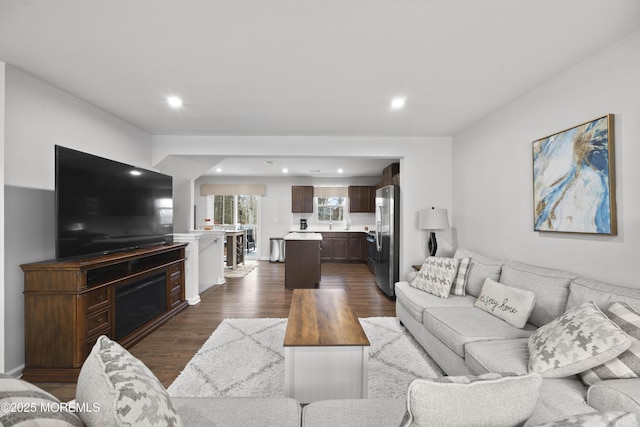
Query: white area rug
pixel 245 357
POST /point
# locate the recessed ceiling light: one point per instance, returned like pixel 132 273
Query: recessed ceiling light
pixel 398 103
pixel 218 170
pixel 174 101
pixel 285 170
pixel 135 172
pixel 340 170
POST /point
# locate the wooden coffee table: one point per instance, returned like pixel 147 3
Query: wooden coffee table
pixel 326 352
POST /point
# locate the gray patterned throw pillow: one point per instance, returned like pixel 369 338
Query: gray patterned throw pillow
pixel 24 404
pixel 580 339
pixel 119 390
pixel 436 276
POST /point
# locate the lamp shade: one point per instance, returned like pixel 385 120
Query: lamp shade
pixel 433 219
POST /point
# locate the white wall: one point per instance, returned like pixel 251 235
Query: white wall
pixel 38 116
pixel 492 184
pixel 425 170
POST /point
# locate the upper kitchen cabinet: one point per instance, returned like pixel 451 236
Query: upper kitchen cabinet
pixel 302 198
pixel 362 198
pixel 391 174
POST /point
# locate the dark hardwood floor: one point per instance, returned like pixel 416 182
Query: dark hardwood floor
pixel 260 294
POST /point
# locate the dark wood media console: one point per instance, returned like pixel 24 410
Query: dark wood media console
pixel 68 304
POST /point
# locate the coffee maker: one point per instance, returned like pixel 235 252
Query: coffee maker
pixel 303 224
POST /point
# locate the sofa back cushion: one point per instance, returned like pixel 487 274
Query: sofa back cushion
pixel 603 294
pixel 480 268
pixel 550 286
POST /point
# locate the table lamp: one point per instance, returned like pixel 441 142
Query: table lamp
pixel 433 219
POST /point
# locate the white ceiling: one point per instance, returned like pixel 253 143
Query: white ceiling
pixel 322 167
pixel 300 67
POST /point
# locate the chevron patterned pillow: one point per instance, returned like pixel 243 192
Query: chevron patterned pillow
pixel 436 276
pixel 580 339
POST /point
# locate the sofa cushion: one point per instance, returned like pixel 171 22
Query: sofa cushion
pixel 480 268
pixel 457 326
pixel 583 290
pixel 353 413
pixel 24 404
pixel 436 276
pixel 415 300
pixel 497 356
pixel 596 419
pixel 560 398
pixel 238 411
pixel 627 365
pixel 510 304
pixel 126 390
pixel 490 399
pixel 580 339
pixel 615 395
pixel 550 286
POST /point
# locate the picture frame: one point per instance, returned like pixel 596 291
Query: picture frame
pixel 574 180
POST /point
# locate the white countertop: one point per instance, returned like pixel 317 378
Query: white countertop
pixel 335 229
pixel 303 236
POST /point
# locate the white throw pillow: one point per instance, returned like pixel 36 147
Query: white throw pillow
pixel 490 400
pixel 436 276
pixel 510 304
pixel 123 389
pixel 580 339
pixel 627 365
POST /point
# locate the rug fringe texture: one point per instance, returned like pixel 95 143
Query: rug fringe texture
pixel 245 358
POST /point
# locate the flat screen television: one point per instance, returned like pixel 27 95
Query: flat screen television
pixel 104 206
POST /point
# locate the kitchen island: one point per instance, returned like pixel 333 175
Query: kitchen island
pixel 302 264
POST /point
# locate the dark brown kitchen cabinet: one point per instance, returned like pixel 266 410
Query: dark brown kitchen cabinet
pixel 344 247
pixel 302 198
pixel 391 174
pixel 302 266
pixel 362 198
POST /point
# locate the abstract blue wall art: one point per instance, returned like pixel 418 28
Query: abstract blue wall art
pixel 573 180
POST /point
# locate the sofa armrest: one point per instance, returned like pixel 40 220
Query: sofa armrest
pixel 615 395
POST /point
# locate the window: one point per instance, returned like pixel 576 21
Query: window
pixel 330 208
pixel 247 210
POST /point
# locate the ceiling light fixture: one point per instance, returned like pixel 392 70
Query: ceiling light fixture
pixel 398 103
pixel 218 170
pixel 285 170
pixel 340 170
pixel 174 101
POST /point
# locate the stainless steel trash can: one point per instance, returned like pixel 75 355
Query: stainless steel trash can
pixel 277 249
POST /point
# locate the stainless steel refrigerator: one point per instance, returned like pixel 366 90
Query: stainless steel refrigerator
pixel 387 238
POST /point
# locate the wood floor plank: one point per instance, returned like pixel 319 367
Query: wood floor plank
pixel 260 294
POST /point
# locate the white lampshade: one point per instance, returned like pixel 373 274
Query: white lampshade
pixel 433 219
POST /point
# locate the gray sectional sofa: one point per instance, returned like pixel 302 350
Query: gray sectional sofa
pixel 463 339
